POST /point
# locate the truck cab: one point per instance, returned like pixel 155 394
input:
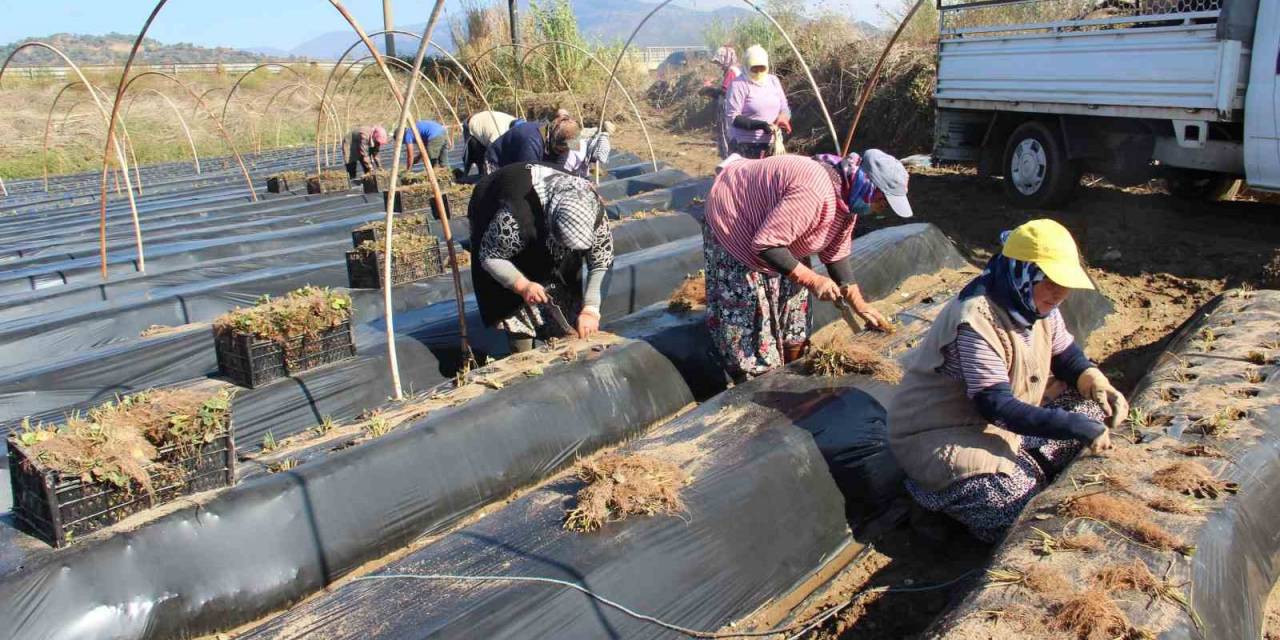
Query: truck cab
pixel 1040 91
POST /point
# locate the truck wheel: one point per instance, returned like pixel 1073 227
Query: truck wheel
pixel 1037 172
pixel 1203 185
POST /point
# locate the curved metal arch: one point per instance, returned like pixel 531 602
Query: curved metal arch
pixel 253 195
pixel 653 156
pixel 231 93
pixel 554 65
pixel 195 156
pixel 111 144
pixel 297 86
pixel 407 67
pixel 380 59
pixel 835 138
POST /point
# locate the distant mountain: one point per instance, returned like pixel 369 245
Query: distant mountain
pixel 113 48
pixel 598 20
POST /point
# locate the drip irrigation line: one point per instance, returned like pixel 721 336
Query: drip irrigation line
pixel 800 627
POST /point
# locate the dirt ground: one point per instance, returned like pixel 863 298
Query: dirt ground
pixel 1157 257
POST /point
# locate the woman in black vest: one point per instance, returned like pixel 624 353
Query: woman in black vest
pixel 537 226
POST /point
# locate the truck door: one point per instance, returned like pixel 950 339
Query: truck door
pixel 1262 101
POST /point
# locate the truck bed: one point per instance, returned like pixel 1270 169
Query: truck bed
pixel 1096 67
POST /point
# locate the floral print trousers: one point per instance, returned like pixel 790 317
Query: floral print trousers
pixel 988 504
pixel 750 315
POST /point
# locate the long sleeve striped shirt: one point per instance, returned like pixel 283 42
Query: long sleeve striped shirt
pixel 785 201
pixel 977 364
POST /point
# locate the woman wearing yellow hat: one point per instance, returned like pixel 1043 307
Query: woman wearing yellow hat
pixel 967 425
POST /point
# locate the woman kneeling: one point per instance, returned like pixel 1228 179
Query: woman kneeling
pixel 967 425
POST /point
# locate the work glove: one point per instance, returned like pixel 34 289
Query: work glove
pixel 1093 385
pixel 750 124
pixel 823 287
pixel 532 292
pixel 869 314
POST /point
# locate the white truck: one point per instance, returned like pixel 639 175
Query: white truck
pixel 1039 91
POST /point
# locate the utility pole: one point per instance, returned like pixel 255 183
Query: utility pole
pixel 513 11
pixel 388 24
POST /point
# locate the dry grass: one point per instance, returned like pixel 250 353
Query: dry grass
pixel 1087 541
pixel 690 294
pixel 1047 581
pixel 1131 517
pixel 1192 479
pixel 1175 505
pixel 1091 615
pixel 622 485
pixel 837 353
pixel 1199 451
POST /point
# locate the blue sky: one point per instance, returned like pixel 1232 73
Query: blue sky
pixel 243 23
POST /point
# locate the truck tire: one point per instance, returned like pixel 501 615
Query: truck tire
pixel 1202 185
pixel 1037 172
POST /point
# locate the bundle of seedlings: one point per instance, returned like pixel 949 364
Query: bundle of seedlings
pixel 286 181
pixel 328 182
pixel 375 230
pixel 1127 517
pixel 414 256
pixel 623 485
pixel 413 198
pixel 279 337
pixel 690 294
pixel 836 352
pixel 118 459
pixel 1192 479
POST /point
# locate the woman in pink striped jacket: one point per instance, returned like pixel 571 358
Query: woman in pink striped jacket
pixel 764 219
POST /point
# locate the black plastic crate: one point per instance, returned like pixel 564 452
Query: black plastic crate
pixel 328 184
pixel 58 509
pixel 364 270
pixel 277 184
pixel 251 362
pixel 375 234
pixel 419 201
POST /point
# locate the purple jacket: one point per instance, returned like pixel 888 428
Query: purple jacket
pixel 754 101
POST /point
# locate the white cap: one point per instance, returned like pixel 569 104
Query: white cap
pixel 757 57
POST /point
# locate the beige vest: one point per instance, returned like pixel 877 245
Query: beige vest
pixel 935 430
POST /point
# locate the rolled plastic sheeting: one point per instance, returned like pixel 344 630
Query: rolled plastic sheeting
pixel 276 539
pixel 763 511
pixel 50 388
pixel 1236 560
pixel 635 185
pixel 682 196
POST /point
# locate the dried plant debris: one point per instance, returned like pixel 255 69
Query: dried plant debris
pixel 691 294
pixel 412 245
pixel 1179 506
pixel 120 442
pixel 1198 450
pixel 837 353
pixel 1130 517
pixel 306 311
pixel 622 485
pixel 1044 543
pixel 294 178
pixel 1091 615
pixel 1136 576
pixel 1192 479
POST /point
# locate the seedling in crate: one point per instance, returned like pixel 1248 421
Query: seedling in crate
pixel 307 328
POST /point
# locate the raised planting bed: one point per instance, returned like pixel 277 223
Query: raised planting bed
pixel 328 182
pixel 415 256
pixel 123 458
pixel 285 181
pixel 303 330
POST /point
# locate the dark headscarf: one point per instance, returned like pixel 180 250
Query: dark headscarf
pixel 1009 284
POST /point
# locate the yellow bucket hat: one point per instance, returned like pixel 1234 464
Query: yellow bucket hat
pixel 1050 246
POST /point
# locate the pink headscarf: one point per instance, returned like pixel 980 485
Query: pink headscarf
pixel 726 57
pixel 379 136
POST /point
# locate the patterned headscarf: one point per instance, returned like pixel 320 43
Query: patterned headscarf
pixel 571 205
pixel 857 190
pixel 1009 283
pixel 726 57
